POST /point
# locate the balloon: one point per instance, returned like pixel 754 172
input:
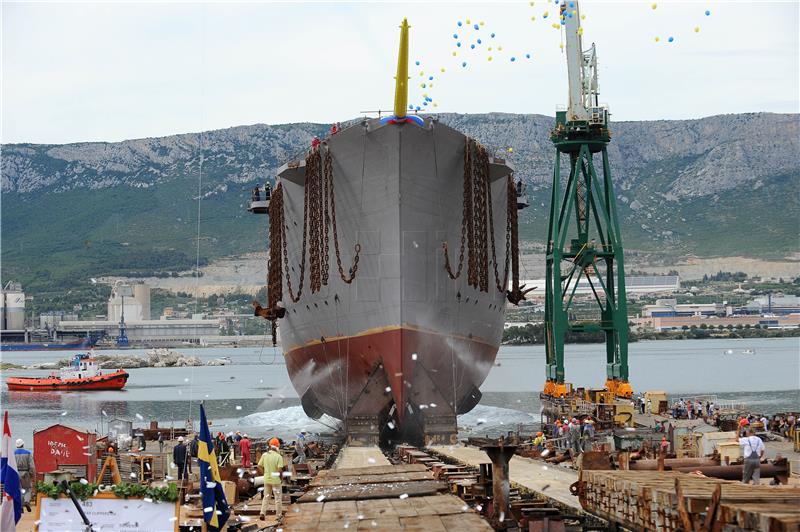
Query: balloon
pixel 417 63
pixel 441 69
pixel 476 27
pixel 458 44
pixel 455 36
pixel 569 15
pixel 580 31
pixel 658 39
pixel 459 23
pixel 490 48
pixel 492 35
pixel 472 46
pixel 422 85
pixel 533 18
pixel 421 73
pixel 511 150
pixel 532 4
pixel 454 53
pixel 544 15
pixel 555 25
pixel 513 59
pixel 499 48
pixel 671 39
pixel 436 105
pixel 424 103
pixel 467 21
pixel 572 4
pixel 418 108
pixel 574 12
pixel 479 41
pixel 697 29
pixel 653 6
pixel 708 12
pixel 411 107
pixel 489 58
pixel 430 85
pixel 430 78
pixel 563 21
pixel 527 56
pixel 481 23
pixel 464 64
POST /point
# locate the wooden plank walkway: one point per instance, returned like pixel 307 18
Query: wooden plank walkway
pixel 351 457
pixel 549 481
pixel 365 492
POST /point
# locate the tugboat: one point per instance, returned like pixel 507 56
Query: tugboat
pixel 81 374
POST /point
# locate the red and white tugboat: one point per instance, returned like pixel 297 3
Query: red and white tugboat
pixel 81 374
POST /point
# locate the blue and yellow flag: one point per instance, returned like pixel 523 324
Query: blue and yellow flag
pixel 215 508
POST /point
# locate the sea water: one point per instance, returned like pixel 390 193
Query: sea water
pixel 254 393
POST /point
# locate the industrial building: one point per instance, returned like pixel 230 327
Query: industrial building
pixel 635 284
pixel 146 332
pixel 133 299
pixel 669 308
pixel 12 313
pixel 771 304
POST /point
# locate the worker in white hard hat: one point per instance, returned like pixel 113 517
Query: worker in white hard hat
pixel 27 472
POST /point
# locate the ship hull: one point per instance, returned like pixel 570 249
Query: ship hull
pixel 79 344
pixel 110 381
pixel 403 335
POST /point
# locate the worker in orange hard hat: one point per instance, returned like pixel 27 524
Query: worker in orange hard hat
pixel 272 466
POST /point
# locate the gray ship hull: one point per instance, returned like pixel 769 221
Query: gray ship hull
pixel 404 347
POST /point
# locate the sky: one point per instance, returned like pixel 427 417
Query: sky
pixel 75 72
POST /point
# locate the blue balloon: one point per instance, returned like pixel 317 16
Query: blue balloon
pixel 417 63
pixel 572 4
pixel 418 108
pixel 472 46
pixel 411 107
pixel 424 103
pixel 671 39
pixel 569 15
pixel 455 36
pixel 479 41
pixel 464 64
pixel 527 56
pixel 458 44
pixel 513 59
pixel 430 78
pixel 708 13
pixel 563 21
pixel 476 27
pixel 429 98
pixel 459 23
pixel 423 85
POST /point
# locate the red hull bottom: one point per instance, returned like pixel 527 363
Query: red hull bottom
pixel 418 380
pixel 111 381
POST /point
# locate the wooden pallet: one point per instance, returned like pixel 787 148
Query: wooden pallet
pixel 652 500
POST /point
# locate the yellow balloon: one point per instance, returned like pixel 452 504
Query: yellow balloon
pixel 556 25
pixel 430 85
pixel 490 48
pixel 499 48
pixel 574 12
pixel 481 23
pixel 697 29
pixel 421 73
pixel 583 17
pixel 454 54
pixel 510 150
pixel 580 31
pixel 532 3
pixel 436 104
pixel 658 39
pixel 489 58
pixel 441 69
pixel 652 6
pixel 421 84
pixel 561 45
pixel 467 21
pixel 533 18
pixel 545 14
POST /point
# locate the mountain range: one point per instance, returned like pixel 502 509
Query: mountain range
pixel 711 187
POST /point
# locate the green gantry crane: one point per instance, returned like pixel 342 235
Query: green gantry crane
pixel 584 240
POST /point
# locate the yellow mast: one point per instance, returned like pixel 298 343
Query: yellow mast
pixel 401 79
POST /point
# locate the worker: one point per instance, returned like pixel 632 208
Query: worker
pixel 160 442
pixel 271 465
pixel 588 434
pixel 180 457
pixel 743 425
pixel 27 472
pixel 300 449
pixel 194 446
pixel 244 450
pixel 664 445
pixel 752 451
pixel 539 441
pixel 223 449
pixel 575 435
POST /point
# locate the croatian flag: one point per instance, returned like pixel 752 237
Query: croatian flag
pixel 11 506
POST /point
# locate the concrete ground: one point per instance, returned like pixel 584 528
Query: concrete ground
pixel 550 481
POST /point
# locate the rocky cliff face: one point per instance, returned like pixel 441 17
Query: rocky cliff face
pixel 717 186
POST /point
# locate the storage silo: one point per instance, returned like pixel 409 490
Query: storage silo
pixel 13 318
pixel 141 293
